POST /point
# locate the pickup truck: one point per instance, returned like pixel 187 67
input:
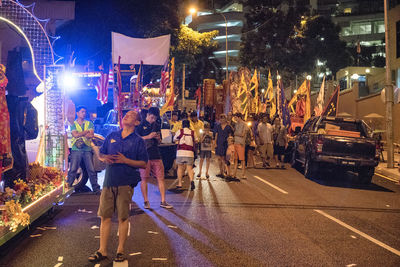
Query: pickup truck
pixel 338 144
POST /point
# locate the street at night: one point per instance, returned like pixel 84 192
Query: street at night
pixel 272 218
pixel 199 133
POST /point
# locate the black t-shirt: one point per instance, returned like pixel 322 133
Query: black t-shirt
pixel 145 128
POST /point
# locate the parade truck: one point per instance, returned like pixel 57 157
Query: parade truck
pixel 337 144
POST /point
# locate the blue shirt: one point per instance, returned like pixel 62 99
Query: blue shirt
pixel 132 147
pixel 146 128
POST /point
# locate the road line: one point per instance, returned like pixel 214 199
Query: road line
pixel 135 253
pixel 370 238
pixel 159 259
pixel 386 177
pixel 271 185
pixel 58 265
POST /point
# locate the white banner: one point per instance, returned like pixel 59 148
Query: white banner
pixel 152 51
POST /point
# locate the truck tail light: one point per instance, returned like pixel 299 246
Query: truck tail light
pixel 319 145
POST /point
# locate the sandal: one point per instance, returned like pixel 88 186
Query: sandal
pixel 207 176
pixel 97 257
pixel 120 257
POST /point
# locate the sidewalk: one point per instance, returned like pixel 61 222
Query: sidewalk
pixel 392 173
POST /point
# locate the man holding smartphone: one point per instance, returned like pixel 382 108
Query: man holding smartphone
pixel 150 131
pixel 124 152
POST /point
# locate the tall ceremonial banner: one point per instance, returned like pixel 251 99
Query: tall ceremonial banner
pixel 152 51
pixel 269 94
pixel 119 83
pixel 333 104
pixel 284 105
pixel 243 95
pixel 254 87
pixel 169 104
pixel 320 99
pixel 307 113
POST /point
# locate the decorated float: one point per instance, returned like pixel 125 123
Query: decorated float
pixel 28 194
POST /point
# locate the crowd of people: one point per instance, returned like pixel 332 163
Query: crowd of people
pixel 237 144
pixel 132 155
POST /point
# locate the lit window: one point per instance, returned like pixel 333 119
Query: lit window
pixel 347 10
pixel 379 26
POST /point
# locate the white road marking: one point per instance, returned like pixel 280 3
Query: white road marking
pixel 351 265
pixel 97 236
pixel 50 228
pixel 173 226
pixel 370 238
pixel 58 265
pixel 36 235
pixel 159 259
pixel 97 265
pixel 94 227
pixel 388 206
pixel 151 232
pixel 60 258
pixel 129 228
pixel 271 185
pixel 135 253
pixel 41 228
pixel 354 237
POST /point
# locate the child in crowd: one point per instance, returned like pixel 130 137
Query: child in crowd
pixel 206 146
pixel 230 155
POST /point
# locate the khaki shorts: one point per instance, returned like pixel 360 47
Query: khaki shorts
pixel 115 198
pixel 267 150
pixel 239 150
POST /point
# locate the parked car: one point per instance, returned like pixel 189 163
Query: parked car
pixel 337 144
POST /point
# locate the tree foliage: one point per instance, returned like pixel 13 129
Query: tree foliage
pixel 282 36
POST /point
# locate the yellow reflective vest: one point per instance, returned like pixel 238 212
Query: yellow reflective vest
pixel 87 141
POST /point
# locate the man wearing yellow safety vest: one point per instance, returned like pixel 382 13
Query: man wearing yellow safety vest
pixel 82 133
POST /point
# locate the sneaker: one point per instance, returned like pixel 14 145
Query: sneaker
pixel 165 205
pixel 192 186
pixel 146 205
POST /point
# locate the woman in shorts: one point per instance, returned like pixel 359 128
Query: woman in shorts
pixel 185 153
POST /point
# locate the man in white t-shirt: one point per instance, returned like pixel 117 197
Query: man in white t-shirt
pixel 266 147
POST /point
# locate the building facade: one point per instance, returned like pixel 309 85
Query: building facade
pixel 228 21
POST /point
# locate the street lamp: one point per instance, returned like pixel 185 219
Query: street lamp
pixel 192 11
pixel 308 77
pixel 226 46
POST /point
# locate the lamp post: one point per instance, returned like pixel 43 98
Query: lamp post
pixel 226 46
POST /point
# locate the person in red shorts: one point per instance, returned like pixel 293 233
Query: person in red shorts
pixel 150 131
pixel 240 131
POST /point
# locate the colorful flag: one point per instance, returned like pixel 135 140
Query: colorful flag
pixel 169 103
pixel 333 104
pixel 307 111
pixel 302 90
pixel 102 84
pixel 164 78
pixel 254 87
pixel 243 90
pixel 138 85
pixel 269 94
pixel 284 105
pixel 198 98
pixel 320 99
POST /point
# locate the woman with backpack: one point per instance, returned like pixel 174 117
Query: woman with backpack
pixel 185 153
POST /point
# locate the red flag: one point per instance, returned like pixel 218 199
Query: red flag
pixel 164 78
pixel 102 87
pixel 333 104
pixel 198 98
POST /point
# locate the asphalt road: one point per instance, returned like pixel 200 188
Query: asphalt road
pixel 273 218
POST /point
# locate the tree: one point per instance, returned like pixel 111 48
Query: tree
pixel 292 47
pixel 194 49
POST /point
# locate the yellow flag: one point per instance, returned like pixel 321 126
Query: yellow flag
pixel 270 92
pixel 169 103
pixel 254 81
pixel 301 91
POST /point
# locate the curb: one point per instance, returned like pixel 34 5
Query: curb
pixel 385 172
